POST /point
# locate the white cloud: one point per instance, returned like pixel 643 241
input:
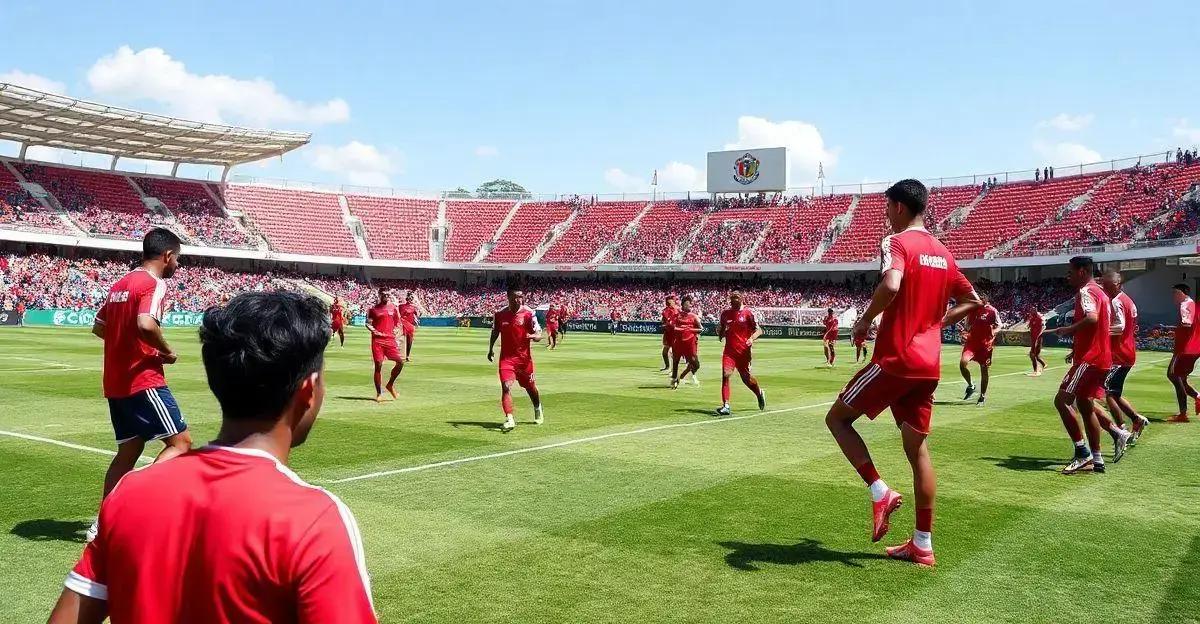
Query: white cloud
pixel 486 151
pixel 1067 122
pixel 151 74
pixel 360 163
pixel 1065 153
pixel 625 182
pixel 33 81
pixel 806 148
pixel 1184 130
pixel 674 176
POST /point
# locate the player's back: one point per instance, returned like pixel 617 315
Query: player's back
pixel 221 535
pixel 130 365
pixel 909 343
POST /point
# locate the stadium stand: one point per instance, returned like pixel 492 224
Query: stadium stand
pixel 529 227
pixel 596 226
pixel 101 203
pixel 656 237
pixel 19 210
pixel 300 222
pixel 472 223
pixel 730 230
pixel 196 211
pixel 798 226
pixel 860 238
pixel 397 227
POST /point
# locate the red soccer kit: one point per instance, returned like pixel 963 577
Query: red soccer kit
pixel 1187 341
pixel 516 328
pixel 408 318
pixel 130 365
pixel 831 328
pixel 739 325
pixel 552 321
pixel 906 365
pixel 1091 348
pixel 337 316
pixel 1124 344
pixel 980 341
pixel 668 325
pixel 1036 325
pixel 221 535
pixel 686 328
pixel 384 318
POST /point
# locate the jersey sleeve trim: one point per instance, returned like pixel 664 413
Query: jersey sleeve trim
pixel 85 586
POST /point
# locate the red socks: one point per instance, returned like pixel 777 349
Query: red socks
pixel 868 473
pixel 378 381
pixel 725 389
pixel 925 520
pixel 506 403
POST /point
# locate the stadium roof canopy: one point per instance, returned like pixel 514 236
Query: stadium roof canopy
pixel 32 117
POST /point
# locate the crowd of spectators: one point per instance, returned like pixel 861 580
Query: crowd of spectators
pixel 20 210
pixel 199 215
pixel 724 242
pixel 1013 299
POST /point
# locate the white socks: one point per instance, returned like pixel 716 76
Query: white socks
pixel 923 540
pixel 878 489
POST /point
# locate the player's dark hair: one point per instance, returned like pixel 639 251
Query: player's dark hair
pixel 259 348
pixel 1183 288
pixel 687 298
pixel 911 193
pixel 159 241
pixel 1082 262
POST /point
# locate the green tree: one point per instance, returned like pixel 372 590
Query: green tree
pixel 501 188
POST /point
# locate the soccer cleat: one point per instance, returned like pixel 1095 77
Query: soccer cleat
pixel 1139 427
pixel 970 391
pixel 762 400
pixel 881 512
pixel 674 384
pixel 1179 418
pixel 1078 464
pixel 695 380
pixel 908 551
pixel 92 532
pixel 508 425
pixel 982 398
pixel 538 417
pixel 1098 467
pixel 724 410
pixel 1120 445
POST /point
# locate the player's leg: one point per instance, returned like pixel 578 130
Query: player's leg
pixel 1063 402
pixel 963 361
pixel 341 333
pixel 408 343
pixel 920 548
pixel 172 430
pixel 1174 375
pixel 983 379
pixel 506 402
pixel 1119 435
pixel 840 421
pixel 378 377
pixel 693 368
pixel 1091 425
pixel 666 352
pixel 526 380
pixel 128 452
pixel 751 382
pixel 675 371
pixel 832 353
pixel 1187 387
pixel 727 367
pixel 397 366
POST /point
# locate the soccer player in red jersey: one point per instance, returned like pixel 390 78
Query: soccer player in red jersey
pixel 227 533
pixel 739 328
pixel 1187 351
pixel 829 340
pixel 382 321
pixel 1036 326
pixel 668 323
pixel 686 327
pixel 552 314
pixel 516 326
pixel 614 321
pixel 140 405
pixel 410 318
pixel 1124 349
pixel 982 324
pixel 1091 357
pixel 337 317
pixel 919 277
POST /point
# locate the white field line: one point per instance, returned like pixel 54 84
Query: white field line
pixel 70 445
pixel 545 447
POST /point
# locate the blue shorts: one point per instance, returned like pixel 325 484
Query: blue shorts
pixel 150 414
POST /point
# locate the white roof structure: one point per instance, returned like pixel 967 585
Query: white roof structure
pixel 32 117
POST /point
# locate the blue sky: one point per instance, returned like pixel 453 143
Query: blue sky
pixel 591 97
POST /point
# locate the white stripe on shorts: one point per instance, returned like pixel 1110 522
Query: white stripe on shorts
pixel 164 416
pixel 1075 379
pixel 862 382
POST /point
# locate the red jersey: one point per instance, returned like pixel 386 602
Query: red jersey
pixel 552 316
pixel 614 315
pixel 831 328
pixel 384 318
pixel 409 315
pixel 1185 337
pixel 909 344
pixel 1036 325
pixel 181 541
pixel 336 313
pixel 516 328
pixel 980 323
pixel 1091 344
pixel 130 365
pixel 668 319
pixel 1124 330
pixel 738 326
pixel 686 328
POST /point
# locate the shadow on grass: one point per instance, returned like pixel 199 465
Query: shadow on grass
pixel 696 410
pixel 662 387
pixel 356 398
pixel 745 556
pixel 482 424
pixel 48 530
pixel 1027 464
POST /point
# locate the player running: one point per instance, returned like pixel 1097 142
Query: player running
pixel 1036 326
pixel 614 320
pixel 919 278
pixel 982 324
pixel 140 405
pixel 552 314
pixel 687 328
pixel 739 328
pixel 1124 350
pixel 668 323
pixel 829 340
pixel 1091 359
pixel 337 319
pixel 382 321
pixel 516 326
pixel 1187 351
pixel 410 318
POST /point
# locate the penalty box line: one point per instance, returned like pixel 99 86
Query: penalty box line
pixel 70 445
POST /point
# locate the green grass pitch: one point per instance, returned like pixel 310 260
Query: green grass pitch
pixel 757 519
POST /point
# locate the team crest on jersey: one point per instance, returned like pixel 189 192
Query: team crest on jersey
pixel 745 169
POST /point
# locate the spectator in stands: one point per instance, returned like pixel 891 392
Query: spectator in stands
pixel 1045 173
pixel 1037 175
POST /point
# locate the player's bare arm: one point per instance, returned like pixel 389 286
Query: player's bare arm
pixel 1091 318
pixel 492 343
pixel 73 608
pixel 961 309
pixel 374 332
pixel 98 329
pixel 151 333
pixel 758 331
pixel 880 299
pixel 536 336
